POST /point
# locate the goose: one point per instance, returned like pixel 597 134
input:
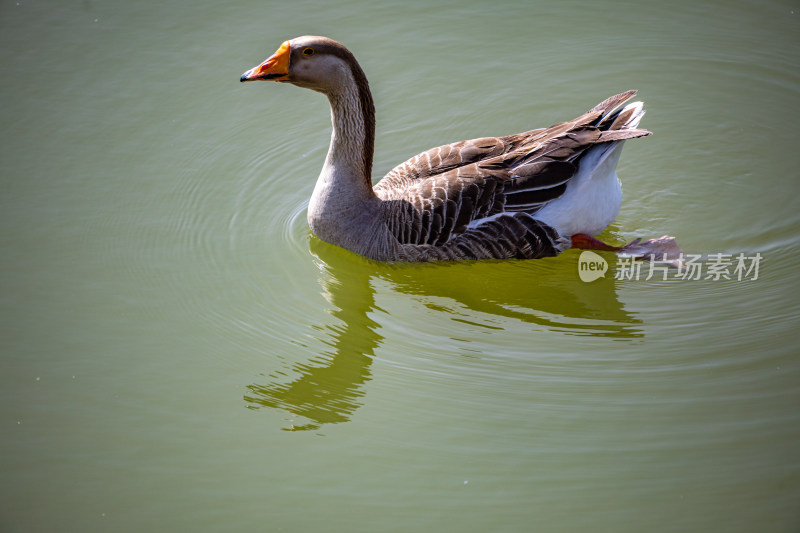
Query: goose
pixel 527 195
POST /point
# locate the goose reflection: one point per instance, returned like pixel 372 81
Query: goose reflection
pixel 330 388
pixel 545 293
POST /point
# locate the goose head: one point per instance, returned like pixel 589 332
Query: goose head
pixel 313 62
pixel 326 66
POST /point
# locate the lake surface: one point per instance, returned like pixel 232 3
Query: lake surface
pixel 178 353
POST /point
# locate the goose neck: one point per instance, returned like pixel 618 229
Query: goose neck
pixel 350 150
pixel 345 181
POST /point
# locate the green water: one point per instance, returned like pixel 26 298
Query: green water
pixel 177 353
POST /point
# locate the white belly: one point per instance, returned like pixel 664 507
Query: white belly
pixel 593 196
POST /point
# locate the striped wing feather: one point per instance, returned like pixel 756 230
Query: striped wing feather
pixel 441 196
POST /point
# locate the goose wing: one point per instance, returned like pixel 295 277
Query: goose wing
pixel 437 194
pixel 430 208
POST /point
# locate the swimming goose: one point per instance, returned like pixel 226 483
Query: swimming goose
pixel 528 195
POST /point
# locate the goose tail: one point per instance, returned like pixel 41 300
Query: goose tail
pixel 593 196
pixel 618 123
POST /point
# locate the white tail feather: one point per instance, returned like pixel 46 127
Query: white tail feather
pixel 637 110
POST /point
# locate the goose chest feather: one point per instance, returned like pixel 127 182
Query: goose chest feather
pixel 527 195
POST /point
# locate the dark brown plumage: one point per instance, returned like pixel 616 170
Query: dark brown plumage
pixel 432 198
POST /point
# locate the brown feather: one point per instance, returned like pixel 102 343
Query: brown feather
pixel 470 180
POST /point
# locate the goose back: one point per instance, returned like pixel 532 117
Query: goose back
pixel 474 199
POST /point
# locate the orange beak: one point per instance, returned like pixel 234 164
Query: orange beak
pixel 276 68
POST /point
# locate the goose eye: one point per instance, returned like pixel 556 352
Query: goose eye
pixel 308 52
